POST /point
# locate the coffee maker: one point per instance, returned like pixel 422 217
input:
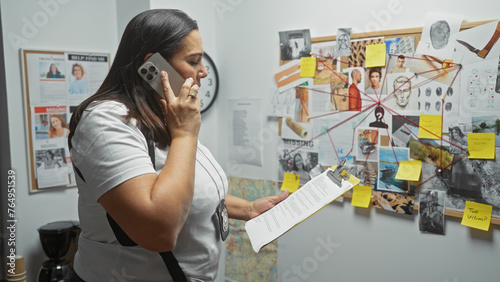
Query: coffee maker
pixel 57 238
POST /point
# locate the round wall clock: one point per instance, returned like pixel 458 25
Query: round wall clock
pixel 209 85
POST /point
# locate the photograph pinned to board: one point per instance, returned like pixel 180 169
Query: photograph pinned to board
pixel 47 78
pixel 288 76
pixel 436 33
pixel 388 167
pixel 398 49
pixel 394 202
pixel 326 54
pixel 291 129
pixel 375 82
pixel 400 45
pixel 295 44
pixel 357 55
pixel 487 124
pixel 367 144
pixel 431 211
pixel 297 157
pixel 478 43
pixel 86 73
pixel 356 80
pixel 51 167
pixel 343 42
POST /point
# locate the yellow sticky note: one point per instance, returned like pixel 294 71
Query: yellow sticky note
pixel 291 182
pixel 375 55
pixel 307 66
pixel 361 196
pixel 430 127
pixel 477 215
pixel 409 170
pixel 481 145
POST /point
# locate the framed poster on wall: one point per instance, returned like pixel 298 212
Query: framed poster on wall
pixel 54 84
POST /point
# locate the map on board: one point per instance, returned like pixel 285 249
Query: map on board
pixel 242 263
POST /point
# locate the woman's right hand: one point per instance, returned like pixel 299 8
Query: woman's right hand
pixel 152 208
pixel 182 113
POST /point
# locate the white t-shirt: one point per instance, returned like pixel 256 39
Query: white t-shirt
pixel 371 91
pixel 108 151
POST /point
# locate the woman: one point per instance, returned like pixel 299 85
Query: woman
pixel 172 208
pixel 58 127
pixel 53 72
pixel 298 167
pixel 50 161
pixel 458 141
pixel 80 84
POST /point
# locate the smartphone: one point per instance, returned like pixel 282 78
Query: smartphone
pixel 150 72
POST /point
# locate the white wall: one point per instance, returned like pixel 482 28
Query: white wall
pixel 366 244
pixel 59 25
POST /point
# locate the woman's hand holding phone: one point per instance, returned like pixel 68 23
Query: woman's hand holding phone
pixel 182 113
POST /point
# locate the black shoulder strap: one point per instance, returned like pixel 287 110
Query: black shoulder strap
pixel 122 237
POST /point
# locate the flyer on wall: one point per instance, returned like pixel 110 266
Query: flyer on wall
pixel 50 137
pixel 55 82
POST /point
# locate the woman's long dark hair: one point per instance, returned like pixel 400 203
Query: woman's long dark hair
pixel 152 31
pixel 50 74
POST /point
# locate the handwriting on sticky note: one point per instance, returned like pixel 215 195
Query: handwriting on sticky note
pixel 307 66
pixel 291 182
pixel 361 196
pixel 375 55
pixel 481 145
pixel 430 127
pixel 409 170
pixel 477 215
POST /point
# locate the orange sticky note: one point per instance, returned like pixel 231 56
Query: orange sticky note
pixel 477 215
pixel 481 145
pixel 375 55
pixel 409 170
pixel 361 196
pixel 307 66
pixel 291 182
pixel 430 127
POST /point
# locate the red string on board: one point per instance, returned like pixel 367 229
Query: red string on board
pixel 378 101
